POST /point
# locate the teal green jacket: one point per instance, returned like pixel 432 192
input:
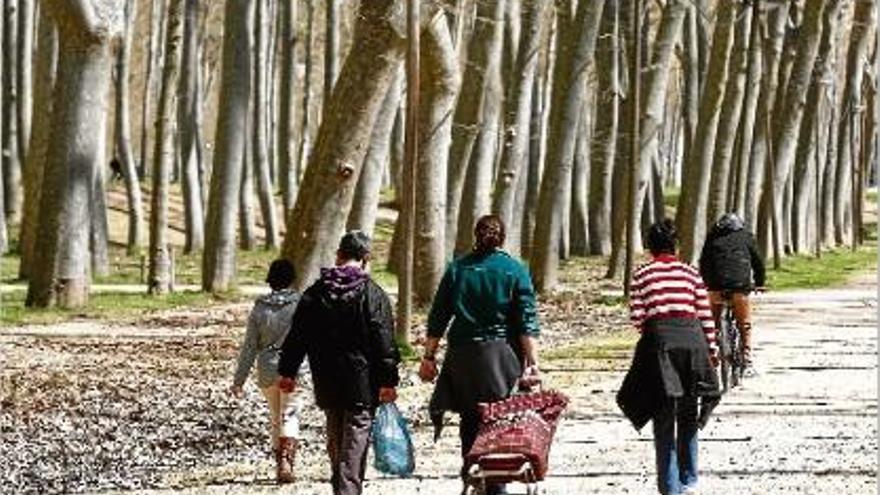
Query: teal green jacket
pixel 484 297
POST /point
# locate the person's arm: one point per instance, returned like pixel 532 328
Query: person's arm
pixel 525 319
pixel 636 303
pixel 383 350
pixel 293 350
pixel 707 320
pixel 758 268
pixel 441 307
pixel 705 262
pixel 247 354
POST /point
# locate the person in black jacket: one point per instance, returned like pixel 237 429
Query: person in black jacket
pixel 344 325
pixel 732 267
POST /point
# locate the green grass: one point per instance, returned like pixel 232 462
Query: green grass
pixel 832 269
pixel 103 306
pixel 605 347
pixel 670 196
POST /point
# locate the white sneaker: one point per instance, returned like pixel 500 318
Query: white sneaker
pixel 690 490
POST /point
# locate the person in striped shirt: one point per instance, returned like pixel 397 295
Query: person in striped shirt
pixel 672 380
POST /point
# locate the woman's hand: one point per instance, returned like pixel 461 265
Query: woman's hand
pixel 428 370
pixel 287 384
pixel 236 391
pixel 531 377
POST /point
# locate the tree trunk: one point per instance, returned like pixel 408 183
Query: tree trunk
pixel 365 205
pixel 247 221
pixel 602 152
pixel 785 144
pixel 772 56
pixel 863 22
pixel 695 189
pixel 153 50
pixel 575 49
pixel 692 79
pixel 321 209
pixel 580 186
pixel 24 82
pixel 61 266
pixel 731 113
pixel 259 129
pixel 99 225
pixel 518 111
pixel 190 156
pixel 749 113
pixel 439 83
pixel 533 177
pixel 11 160
pixel 331 47
pixel 160 279
pixel 305 144
pixel 287 136
pixel 218 262
pixel 46 57
pixel 4 236
pixel 485 41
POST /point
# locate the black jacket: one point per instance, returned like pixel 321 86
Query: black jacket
pixel 729 259
pixel 671 361
pixel 349 343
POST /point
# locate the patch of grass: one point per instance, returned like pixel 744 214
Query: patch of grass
pixel 609 300
pixel 605 347
pixel 670 196
pixel 833 268
pixel 110 306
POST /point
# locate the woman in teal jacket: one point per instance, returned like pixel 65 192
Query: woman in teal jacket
pixel 486 307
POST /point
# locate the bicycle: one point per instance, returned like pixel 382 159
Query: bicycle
pixel 733 363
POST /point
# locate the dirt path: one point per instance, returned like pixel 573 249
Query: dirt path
pixel 806 425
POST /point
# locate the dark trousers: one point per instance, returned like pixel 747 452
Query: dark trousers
pixel 348 438
pixel 675 442
pixel 468 428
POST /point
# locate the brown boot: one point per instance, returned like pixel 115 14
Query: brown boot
pixel 284 457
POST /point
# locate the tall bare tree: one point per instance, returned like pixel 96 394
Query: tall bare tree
pixel 321 209
pixel 160 278
pixel 24 83
pixel 286 113
pixel 576 43
pixel 11 159
pixel 153 60
pixel 260 128
pixel 86 29
pixel 189 131
pixel 218 261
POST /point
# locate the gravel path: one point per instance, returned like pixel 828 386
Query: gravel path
pixel 807 424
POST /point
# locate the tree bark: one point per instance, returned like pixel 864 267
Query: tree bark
pixel 259 129
pixel 695 189
pixel 24 82
pixel 287 134
pixel 365 205
pixel 580 186
pixel 305 143
pixel 218 262
pixel 575 49
pixel 731 114
pixel 518 111
pixel 485 42
pixel 46 56
pixel 247 221
pixel 323 204
pixel 61 266
pixel 4 236
pixel 533 177
pixel 160 280
pixel 11 159
pixel 749 113
pixel 692 79
pixel 331 47
pixel 863 22
pixel 99 224
pixel 603 147
pixel 439 84
pixel 153 62
pixel 190 155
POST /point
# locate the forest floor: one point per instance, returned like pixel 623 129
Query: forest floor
pixel 140 404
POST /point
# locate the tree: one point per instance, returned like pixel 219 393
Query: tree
pixel 321 209
pixel 189 130
pixel 749 113
pixel 46 57
pixel 160 279
pixel 24 82
pixel 286 139
pixel 518 110
pixel 694 193
pixel 85 32
pixel 439 83
pixel 259 128
pixel 863 20
pixel 153 60
pixel 11 159
pixel 602 149
pixel 218 261
pixel 576 42
pixel 485 41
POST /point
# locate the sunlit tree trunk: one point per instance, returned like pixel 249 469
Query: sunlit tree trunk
pixel 288 135
pixel 746 131
pixel 11 159
pixel 260 128
pixel 189 132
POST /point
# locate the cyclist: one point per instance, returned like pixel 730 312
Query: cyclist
pixel 732 267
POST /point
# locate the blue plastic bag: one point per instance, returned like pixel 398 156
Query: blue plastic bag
pixel 392 443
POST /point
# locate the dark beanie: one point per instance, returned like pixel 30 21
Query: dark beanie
pixel 355 245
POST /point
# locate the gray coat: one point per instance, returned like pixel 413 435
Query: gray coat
pixel 267 327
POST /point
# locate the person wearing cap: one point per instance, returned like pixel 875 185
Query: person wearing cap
pixel 344 325
pixel 486 307
pixel 267 326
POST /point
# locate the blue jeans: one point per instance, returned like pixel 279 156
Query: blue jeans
pixel 676 450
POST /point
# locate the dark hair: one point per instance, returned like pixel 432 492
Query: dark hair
pixel 662 237
pixel 281 274
pixel 489 234
pixel 354 245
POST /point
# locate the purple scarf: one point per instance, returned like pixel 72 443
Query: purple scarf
pixel 343 282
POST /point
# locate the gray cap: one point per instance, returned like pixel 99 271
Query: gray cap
pixel 355 245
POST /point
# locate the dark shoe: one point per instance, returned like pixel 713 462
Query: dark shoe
pixel 284 458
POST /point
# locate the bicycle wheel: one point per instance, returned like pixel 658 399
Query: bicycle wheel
pixel 725 351
pixel 736 358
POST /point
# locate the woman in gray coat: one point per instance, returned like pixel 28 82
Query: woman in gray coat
pixel 267 328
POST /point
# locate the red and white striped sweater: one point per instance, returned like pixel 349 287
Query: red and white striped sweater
pixel 668 288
